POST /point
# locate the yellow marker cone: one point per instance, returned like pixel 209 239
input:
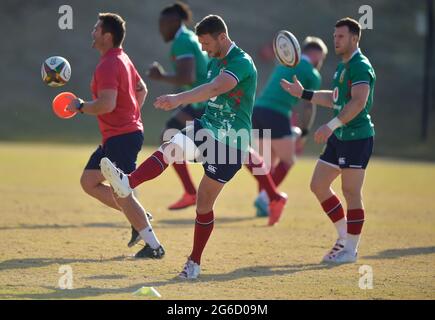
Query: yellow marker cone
pixel 147 291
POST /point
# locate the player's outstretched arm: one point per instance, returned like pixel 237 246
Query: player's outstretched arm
pixel 320 97
pixel 105 103
pixel 221 84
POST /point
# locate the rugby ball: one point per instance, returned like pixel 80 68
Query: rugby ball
pixel 55 71
pixel 287 49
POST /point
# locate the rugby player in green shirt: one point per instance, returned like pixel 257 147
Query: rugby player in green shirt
pixel 189 63
pixel 349 137
pixel 273 110
pixel 224 129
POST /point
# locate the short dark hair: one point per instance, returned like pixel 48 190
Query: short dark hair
pixel 352 24
pixel 115 25
pixel 314 43
pixel 179 9
pixel 211 24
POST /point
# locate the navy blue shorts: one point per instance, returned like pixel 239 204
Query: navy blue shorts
pixel 264 118
pixel 221 171
pixel 121 150
pixel 174 123
pixel 348 154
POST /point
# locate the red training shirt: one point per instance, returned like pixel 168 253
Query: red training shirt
pixel 116 71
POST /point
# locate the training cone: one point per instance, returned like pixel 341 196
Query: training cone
pixel 60 102
pixel 147 291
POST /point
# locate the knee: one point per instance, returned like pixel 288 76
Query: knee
pixel 87 184
pixel 289 160
pixel 317 187
pixel 204 203
pixel 350 192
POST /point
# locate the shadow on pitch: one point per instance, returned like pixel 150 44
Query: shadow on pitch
pixel 247 272
pixel 43 262
pixel 398 253
pixel 266 271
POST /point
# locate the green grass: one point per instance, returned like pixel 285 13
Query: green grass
pixel 47 221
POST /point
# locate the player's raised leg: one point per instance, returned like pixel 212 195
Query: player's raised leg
pixel 179 148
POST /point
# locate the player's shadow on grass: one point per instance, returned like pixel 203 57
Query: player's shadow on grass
pixel 247 272
pixel 64 226
pixel 402 252
pixel 43 262
pixel 265 271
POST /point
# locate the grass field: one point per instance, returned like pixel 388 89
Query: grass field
pixel 47 221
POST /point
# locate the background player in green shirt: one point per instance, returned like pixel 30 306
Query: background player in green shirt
pixel 189 63
pixel 273 110
pixel 230 95
pixel 349 138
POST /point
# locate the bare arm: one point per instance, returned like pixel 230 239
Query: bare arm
pixel 184 72
pixel 320 97
pixel 356 104
pixel 105 103
pixel 308 115
pixel 141 93
pixel 221 84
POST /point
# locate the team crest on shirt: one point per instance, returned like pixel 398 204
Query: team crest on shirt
pixel 342 75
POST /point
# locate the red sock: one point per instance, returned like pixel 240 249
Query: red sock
pixel 203 227
pixel 264 180
pixel 149 169
pixel 333 208
pixel 355 221
pixel 186 180
pixel 280 172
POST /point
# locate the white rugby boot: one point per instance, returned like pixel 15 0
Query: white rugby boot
pixel 191 270
pixel 338 247
pixel 117 178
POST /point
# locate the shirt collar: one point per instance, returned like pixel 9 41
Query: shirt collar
pixel 112 51
pixel 233 45
pixel 357 51
pixel 306 58
pixel 179 31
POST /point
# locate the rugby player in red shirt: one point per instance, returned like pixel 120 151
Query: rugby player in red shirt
pixel 118 96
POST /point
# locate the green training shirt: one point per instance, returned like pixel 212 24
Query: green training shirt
pixel 356 71
pixel 275 98
pixel 232 111
pixel 186 45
